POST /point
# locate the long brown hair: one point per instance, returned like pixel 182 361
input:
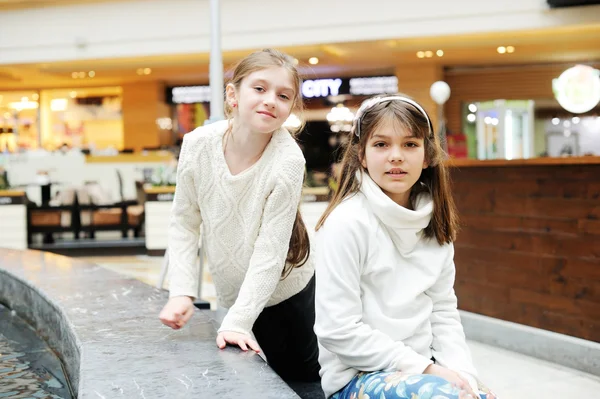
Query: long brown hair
pixel 299 247
pixel 434 179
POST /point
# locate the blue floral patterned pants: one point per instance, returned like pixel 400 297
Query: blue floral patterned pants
pixel 395 385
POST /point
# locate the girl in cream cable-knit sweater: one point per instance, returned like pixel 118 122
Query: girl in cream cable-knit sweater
pixel 386 313
pixel 241 179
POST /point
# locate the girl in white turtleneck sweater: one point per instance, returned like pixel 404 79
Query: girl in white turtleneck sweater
pixel 386 313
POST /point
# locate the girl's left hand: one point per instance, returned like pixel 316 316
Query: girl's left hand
pixel 242 340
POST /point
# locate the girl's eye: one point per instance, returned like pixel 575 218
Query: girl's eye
pixel 284 97
pixel 379 144
pixel 259 89
pixel 412 145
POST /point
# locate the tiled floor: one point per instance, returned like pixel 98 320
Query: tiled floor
pixel 511 375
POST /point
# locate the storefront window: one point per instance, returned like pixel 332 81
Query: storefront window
pixel 19 126
pixel 514 129
pixel 89 118
pixel 499 129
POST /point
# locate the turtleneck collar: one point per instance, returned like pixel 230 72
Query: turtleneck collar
pixel 404 226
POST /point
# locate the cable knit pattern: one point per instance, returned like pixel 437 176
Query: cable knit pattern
pixel 247 222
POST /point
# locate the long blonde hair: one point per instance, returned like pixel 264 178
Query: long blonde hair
pixel 434 179
pixel 299 248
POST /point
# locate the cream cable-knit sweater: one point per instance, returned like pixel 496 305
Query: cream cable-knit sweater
pixel 247 222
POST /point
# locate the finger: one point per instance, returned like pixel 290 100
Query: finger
pixel 187 315
pixel 466 386
pixel 221 341
pixel 253 345
pixel 242 345
pixel 167 322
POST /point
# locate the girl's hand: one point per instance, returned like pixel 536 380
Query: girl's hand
pixel 177 312
pixel 454 378
pixel 242 340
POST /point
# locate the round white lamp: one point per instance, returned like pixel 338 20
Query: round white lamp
pixel 440 93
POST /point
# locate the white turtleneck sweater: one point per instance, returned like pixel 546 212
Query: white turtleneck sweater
pixel 384 297
pixel 247 222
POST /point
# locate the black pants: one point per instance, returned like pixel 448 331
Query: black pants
pixel 286 336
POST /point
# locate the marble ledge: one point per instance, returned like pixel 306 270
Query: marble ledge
pixel 105 328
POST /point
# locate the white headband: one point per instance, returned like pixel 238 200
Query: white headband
pixel 376 100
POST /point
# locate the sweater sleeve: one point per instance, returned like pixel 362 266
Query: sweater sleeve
pixel 270 248
pixel 341 249
pixel 184 229
pixel 449 343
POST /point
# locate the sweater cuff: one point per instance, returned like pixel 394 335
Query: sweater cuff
pixel 412 363
pixel 233 322
pixel 191 292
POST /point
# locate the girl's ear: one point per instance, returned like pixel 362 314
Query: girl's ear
pixel 231 95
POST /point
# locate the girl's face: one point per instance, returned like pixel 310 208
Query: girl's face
pixel 264 99
pixel 394 158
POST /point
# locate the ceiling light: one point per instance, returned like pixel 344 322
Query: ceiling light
pixel 35 96
pixel 420 54
pixel 429 54
pixel 440 53
pixel 313 60
pixel 73 94
pixel 555 121
pixel 81 74
pixel 472 107
pixel 576 120
pixel 510 49
pixel 147 71
pixel 140 71
pixel 91 74
pixel 74 75
pixel 471 118
pixel 501 50
pixel 296 61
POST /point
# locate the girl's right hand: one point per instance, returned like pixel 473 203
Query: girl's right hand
pixel 177 312
pixel 454 378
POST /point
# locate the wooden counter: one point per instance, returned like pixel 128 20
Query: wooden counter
pixel 161 156
pixel 529 248
pixel 463 162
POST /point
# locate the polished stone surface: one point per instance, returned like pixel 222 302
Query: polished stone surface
pixel 108 324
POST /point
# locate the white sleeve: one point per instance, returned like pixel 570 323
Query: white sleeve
pixel 270 249
pixel 184 229
pixel 341 249
pixel 449 345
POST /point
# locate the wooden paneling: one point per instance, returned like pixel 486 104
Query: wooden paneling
pixel 510 83
pixel 143 103
pixel 529 247
pixel 415 80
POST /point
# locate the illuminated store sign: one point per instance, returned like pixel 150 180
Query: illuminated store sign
pixel 312 88
pixel 363 86
pixel 321 87
pixel 374 85
pixel 189 94
pixel 578 89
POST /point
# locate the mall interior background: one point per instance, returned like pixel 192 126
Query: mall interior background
pixel 96 95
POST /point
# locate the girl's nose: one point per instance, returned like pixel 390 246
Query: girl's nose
pixel 270 99
pixel 396 154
